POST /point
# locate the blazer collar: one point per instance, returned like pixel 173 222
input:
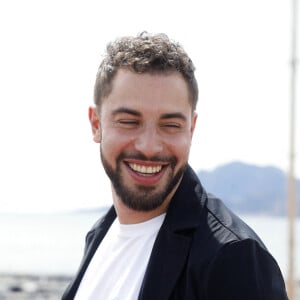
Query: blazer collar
pixel 188 201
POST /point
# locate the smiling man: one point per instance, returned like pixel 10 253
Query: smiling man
pixel 164 237
pixel 145 127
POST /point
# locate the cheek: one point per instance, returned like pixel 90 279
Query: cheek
pixel 180 148
pixel 113 143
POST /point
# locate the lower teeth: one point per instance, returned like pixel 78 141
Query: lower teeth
pixel 145 174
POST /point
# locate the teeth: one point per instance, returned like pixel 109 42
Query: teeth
pixel 145 169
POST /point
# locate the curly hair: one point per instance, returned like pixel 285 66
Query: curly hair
pixel 144 53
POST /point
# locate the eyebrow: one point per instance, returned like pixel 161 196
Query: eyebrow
pixel 176 115
pixel 126 111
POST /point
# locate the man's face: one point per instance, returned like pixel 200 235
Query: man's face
pixel 145 128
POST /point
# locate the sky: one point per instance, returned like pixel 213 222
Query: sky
pixel 49 55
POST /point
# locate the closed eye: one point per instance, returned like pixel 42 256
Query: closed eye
pixel 173 122
pixel 127 123
pixel 171 127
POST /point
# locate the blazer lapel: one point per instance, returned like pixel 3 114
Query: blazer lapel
pixel 93 239
pixel 165 265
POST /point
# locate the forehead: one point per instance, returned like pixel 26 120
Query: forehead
pixel 148 91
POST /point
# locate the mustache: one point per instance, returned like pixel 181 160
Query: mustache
pixel 139 156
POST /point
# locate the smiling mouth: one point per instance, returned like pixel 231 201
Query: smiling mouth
pixel 145 170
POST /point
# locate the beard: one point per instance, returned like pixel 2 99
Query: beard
pixel 142 198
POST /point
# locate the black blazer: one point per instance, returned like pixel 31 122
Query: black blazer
pixel 203 251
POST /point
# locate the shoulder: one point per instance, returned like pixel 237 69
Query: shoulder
pixel 226 225
pixel 237 263
pixel 244 268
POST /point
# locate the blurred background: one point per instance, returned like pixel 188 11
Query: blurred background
pixel 53 187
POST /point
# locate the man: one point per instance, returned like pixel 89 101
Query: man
pixel 164 237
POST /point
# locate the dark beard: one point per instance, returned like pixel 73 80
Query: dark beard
pixel 142 198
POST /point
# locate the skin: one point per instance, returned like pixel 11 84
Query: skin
pixel 145 128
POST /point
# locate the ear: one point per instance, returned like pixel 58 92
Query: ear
pixel 95 124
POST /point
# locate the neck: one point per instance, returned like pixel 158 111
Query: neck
pixel 127 215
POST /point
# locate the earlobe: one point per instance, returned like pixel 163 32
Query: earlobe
pixel 97 136
pixel 95 124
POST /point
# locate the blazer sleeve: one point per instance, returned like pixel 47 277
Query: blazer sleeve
pixel 244 270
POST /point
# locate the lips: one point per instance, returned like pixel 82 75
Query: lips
pixel 145 170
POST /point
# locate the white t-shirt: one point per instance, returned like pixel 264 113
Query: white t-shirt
pixel 117 268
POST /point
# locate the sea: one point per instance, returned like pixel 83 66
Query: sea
pixel 53 244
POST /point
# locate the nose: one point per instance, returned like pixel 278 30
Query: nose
pixel 149 142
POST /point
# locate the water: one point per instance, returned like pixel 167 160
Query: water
pixel 53 244
pixel 43 244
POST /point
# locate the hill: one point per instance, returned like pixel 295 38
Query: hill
pixel 248 188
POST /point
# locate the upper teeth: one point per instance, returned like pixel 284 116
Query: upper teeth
pixel 145 169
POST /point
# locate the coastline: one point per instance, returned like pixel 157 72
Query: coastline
pixel 34 287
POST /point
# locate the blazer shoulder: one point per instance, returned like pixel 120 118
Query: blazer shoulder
pixel 245 270
pixel 225 223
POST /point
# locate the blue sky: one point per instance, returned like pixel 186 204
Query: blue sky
pixel 50 51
